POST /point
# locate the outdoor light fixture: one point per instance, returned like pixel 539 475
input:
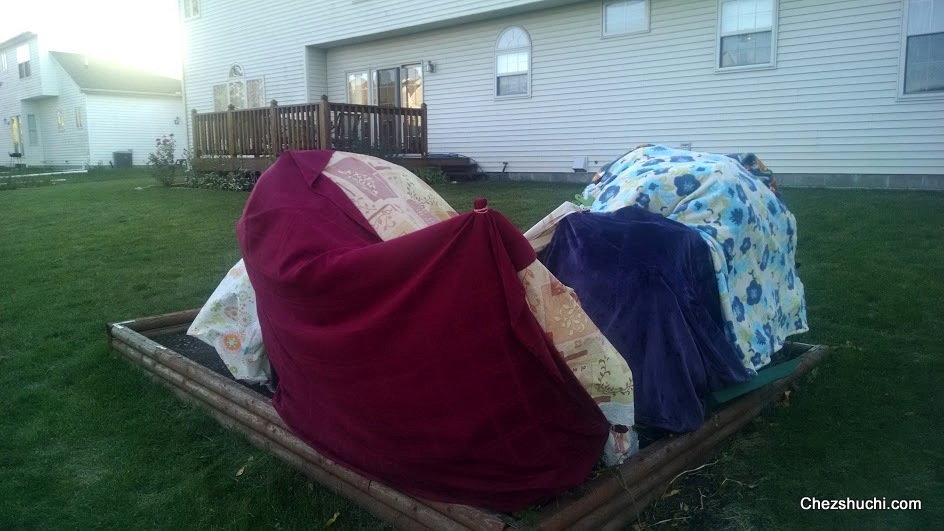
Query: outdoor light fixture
pixel 177 120
pixel 429 67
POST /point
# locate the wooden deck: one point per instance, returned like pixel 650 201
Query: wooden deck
pixel 253 138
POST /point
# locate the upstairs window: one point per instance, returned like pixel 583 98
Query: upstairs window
pixel 79 118
pixel 924 47
pixel 3 61
pixel 626 16
pixel 60 121
pixel 191 8
pixel 513 63
pixel 746 36
pixel 23 61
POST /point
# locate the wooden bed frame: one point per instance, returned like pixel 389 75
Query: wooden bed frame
pixel 610 501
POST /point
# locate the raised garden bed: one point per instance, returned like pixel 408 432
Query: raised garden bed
pixel 610 500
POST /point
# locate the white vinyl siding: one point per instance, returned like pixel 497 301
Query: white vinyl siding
pixel 830 106
pixel 61 146
pixel 110 129
pixel 625 16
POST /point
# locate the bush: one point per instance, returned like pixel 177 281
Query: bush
pixel 431 175
pixel 161 164
pixel 236 181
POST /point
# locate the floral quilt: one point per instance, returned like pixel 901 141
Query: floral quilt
pixel 749 230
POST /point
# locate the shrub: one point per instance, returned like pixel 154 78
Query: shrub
pixel 236 181
pixel 431 175
pixel 161 163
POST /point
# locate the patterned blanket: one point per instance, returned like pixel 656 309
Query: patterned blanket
pixel 750 231
pixel 395 203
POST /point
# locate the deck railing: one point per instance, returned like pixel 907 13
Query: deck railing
pixel 267 131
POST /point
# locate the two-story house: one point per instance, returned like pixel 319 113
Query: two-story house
pixel 834 92
pixel 67 110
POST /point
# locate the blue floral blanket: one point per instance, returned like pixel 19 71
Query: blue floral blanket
pixel 749 230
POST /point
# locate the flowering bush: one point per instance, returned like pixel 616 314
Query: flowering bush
pixel 161 163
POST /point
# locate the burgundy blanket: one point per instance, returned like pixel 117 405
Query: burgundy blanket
pixel 413 361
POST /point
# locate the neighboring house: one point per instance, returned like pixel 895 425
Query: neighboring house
pixel 64 109
pixel 834 92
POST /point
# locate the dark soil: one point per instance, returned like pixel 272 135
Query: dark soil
pixel 198 351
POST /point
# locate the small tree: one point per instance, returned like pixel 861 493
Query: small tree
pixel 162 164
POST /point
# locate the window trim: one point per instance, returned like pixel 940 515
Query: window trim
pixel 529 48
pixel 775 23
pixel 605 35
pixel 191 16
pixel 903 57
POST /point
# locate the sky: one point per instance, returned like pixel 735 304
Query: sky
pixel 146 34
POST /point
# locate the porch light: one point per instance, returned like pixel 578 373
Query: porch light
pixel 428 66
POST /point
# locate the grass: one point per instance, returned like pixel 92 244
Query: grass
pixel 87 441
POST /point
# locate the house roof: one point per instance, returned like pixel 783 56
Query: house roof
pixel 22 37
pixel 95 75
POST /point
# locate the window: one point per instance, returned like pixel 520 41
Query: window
pixel 3 61
pixel 79 118
pixel 60 121
pixel 358 89
pixel 17 130
pixel 513 63
pixel 33 131
pixel 23 61
pixel 924 47
pixel 411 86
pixel 239 92
pixel 191 8
pixel 747 36
pixel 627 16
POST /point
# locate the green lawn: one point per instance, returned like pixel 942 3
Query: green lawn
pixel 87 441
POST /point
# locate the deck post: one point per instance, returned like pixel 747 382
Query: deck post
pixel 197 143
pixel 424 140
pixel 274 140
pixel 324 123
pixel 231 131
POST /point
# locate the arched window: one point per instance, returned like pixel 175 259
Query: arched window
pixel 513 63
pixel 238 91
